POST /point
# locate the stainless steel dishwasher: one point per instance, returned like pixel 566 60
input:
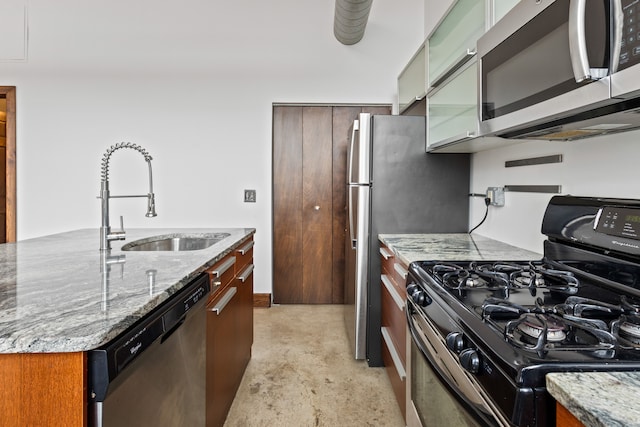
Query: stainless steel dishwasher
pixel 154 373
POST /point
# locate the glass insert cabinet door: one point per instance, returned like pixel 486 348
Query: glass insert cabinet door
pixel 455 38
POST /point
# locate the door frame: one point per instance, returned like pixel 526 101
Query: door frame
pixel 9 92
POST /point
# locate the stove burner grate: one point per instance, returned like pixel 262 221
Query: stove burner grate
pixel 544 332
pixel 505 276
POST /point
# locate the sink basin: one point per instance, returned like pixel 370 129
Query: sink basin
pixel 175 242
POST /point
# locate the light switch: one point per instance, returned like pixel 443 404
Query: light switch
pixel 249 196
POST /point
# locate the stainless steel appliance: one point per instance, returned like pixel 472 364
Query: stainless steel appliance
pixel 484 334
pixel 154 373
pixel 393 186
pixel 560 70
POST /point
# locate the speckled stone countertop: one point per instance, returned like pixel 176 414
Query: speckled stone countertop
pixel 58 293
pixel 599 398
pixel 452 247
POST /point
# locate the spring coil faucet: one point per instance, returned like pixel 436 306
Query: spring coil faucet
pixel 106 235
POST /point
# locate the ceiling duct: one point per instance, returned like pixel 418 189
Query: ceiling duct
pixel 350 20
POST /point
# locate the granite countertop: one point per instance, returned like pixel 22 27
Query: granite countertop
pixel 598 398
pixel 59 293
pixel 452 247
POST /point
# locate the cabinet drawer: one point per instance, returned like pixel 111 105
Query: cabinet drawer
pixel 244 255
pixel 393 318
pixel 387 258
pixel 396 378
pixel 221 273
pixel 399 275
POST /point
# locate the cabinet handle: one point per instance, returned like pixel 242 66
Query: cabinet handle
pixel 394 354
pixel 452 140
pixel 224 267
pixel 217 309
pixel 385 253
pixel 392 291
pixel 243 250
pixel 459 62
pixel 400 270
pixel 246 273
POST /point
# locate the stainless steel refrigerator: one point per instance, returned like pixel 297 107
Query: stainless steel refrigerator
pixel 393 186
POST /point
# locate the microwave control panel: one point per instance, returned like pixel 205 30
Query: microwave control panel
pixel 630 47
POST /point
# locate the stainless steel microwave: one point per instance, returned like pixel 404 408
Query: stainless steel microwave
pixel 561 70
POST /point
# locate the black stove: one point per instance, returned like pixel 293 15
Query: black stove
pixel 509 323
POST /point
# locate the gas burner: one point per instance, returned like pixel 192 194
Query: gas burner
pixel 627 330
pixel 463 279
pixel 541 276
pixel 533 326
pixel 546 332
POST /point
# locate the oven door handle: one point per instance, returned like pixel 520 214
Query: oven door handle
pixel 472 397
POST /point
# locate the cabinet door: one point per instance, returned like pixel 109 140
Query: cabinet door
pixel 412 81
pixel 244 317
pixel 309 199
pixel 501 7
pixel 454 40
pixel 223 369
pixel 452 109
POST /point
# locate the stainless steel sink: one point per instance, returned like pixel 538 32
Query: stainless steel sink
pixel 175 242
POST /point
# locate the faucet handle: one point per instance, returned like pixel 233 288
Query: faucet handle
pixel 120 234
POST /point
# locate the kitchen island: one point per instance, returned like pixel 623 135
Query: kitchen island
pixel 60 296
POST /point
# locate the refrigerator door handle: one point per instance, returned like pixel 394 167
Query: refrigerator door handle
pixel 352 237
pixel 354 129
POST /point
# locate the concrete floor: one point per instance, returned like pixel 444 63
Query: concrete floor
pixel 302 374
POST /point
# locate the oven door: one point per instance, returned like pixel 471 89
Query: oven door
pixel 544 61
pixel 442 392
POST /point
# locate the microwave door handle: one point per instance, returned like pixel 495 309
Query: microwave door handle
pixel 578 44
pixel 618 23
pixel 577 41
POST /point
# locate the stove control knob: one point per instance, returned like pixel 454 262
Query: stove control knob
pixel 417 295
pixel 412 288
pixel 421 298
pixel 470 360
pixel 455 341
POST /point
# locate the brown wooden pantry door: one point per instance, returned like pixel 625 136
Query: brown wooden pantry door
pixel 309 193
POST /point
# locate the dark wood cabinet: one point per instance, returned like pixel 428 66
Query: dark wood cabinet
pixel 229 330
pixel 394 323
pixel 309 199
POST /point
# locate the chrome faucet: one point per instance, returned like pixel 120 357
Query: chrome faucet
pixel 106 235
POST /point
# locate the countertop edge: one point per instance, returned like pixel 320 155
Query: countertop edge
pixel 33 334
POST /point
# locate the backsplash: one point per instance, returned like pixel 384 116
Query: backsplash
pixel 602 166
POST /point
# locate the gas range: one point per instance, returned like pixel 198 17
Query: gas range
pixel 506 324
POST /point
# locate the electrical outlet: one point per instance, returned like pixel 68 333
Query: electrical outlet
pixel 496 195
pixel 249 196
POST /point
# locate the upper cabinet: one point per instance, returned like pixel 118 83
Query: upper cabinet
pixel 454 40
pixel 501 7
pixel 411 81
pixel 444 71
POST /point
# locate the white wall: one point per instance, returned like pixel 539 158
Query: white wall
pixel 603 166
pixel 193 82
